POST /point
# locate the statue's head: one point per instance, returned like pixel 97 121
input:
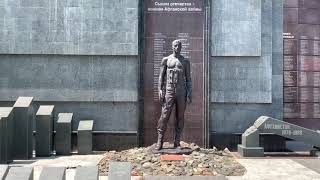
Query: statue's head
pixel 176 46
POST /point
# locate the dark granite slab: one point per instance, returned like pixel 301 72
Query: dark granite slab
pixel 6 134
pixel 63 133
pixel 24 117
pixel 85 137
pixel 44 129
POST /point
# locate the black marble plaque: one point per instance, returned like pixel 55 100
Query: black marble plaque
pixel 291 3
pixel 291 110
pixel 290 47
pixel 165 21
pixel 309 16
pixel 309 94
pixel 290 94
pixel 309 47
pixel 309 31
pixel 309 63
pixel 290 30
pixel 307 78
pixel 289 63
pixel 309 4
pixel 302 62
pixel 290 78
pixel 291 15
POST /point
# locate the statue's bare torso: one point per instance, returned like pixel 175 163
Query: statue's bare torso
pixel 175 69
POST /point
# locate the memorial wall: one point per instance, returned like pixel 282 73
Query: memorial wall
pixel 302 63
pixel 248 83
pixel 81 56
pixel 100 60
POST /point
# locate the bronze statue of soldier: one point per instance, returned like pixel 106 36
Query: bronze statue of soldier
pixel 174 88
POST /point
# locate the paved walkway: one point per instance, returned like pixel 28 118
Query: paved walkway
pixel 257 169
pixel 279 169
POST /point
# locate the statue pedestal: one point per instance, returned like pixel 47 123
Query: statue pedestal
pixel 171 150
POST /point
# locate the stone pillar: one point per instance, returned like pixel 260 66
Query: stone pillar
pixel 63 134
pixel 53 173
pixel 44 128
pixel 6 133
pixel 23 119
pixel 85 136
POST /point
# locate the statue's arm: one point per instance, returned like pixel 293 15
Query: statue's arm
pixel 188 80
pixel 162 74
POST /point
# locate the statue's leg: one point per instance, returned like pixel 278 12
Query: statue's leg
pixel 179 123
pixel 164 118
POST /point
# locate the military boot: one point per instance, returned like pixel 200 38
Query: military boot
pixel 159 142
pixel 176 143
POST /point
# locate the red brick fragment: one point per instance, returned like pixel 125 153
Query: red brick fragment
pixel 169 157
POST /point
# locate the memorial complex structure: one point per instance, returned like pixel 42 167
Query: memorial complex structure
pixel 91 69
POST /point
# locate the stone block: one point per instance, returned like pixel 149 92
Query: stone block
pixel 233 118
pixel 53 173
pixel 264 124
pixel 87 173
pixel 250 143
pixel 3 171
pixel 239 32
pixel 63 133
pixel 84 77
pixel 44 129
pixel 85 137
pixel 119 170
pixel 270 125
pixel 23 119
pixel 131 3
pixel 250 151
pixel 30 16
pixel 6 134
pixel 261 62
pixel 108 116
pixel 20 173
pixel 250 138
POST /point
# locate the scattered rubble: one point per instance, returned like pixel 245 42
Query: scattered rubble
pixel 201 162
